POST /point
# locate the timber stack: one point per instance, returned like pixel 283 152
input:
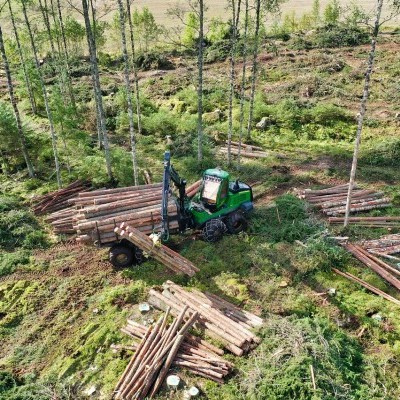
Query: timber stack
pixel 195 354
pixel 369 222
pixel 332 201
pixel 384 246
pixel 58 200
pixel 246 150
pixel 386 271
pixel 219 319
pixel 154 356
pixel 164 254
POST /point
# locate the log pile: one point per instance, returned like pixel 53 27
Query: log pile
pixel 196 355
pixel 164 254
pixel 154 356
pixel 218 318
pixel 370 222
pixel 246 150
pixel 386 271
pixel 57 200
pixel 191 190
pixel 385 245
pixel 332 201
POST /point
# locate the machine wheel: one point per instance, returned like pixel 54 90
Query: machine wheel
pixel 236 222
pixel 214 230
pixel 122 256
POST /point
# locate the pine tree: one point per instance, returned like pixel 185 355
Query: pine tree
pixel 13 101
pixel 200 82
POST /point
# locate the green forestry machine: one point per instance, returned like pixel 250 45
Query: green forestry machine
pixel 220 206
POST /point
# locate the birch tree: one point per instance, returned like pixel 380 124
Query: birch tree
pixel 134 69
pixel 31 95
pixel 45 94
pixel 13 101
pixel 200 82
pixel 128 91
pixel 363 108
pixel 96 86
pixel 235 23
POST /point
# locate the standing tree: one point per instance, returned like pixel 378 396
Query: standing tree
pixel 363 108
pixel 133 57
pixel 45 94
pixel 96 87
pixel 128 91
pixel 254 66
pixel 234 28
pixel 29 89
pixel 13 101
pixel 200 82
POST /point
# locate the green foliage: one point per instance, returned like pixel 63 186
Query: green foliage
pixel 153 60
pixel 191 31
pixel 218 30
pixel 332 12
pixel 75 33
pixel 10 261
pixel 280 367
pixel 146 30
pixel 160 123
pixel 287 221
pixel 382 154
pixel 340 36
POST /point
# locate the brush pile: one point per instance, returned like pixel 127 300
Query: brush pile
pixel 154 356
pixel 385 245
pixel 332 201
pixel 218 318
pixel 57 200
pixel 246 150
pixel 369 222
pixel 164 254
pixel 196 355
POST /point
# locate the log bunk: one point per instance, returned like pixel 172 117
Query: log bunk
pixel 332 201
pixel 369 222
pixel 162 346
pixel 246 150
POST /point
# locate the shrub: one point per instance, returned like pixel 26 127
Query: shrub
pixel 383 154
pixel 10 261
pixel 340 36
pixel 160 124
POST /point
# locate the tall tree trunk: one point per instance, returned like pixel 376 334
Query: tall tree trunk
pixel 31 95
pixel 97 88
pixel 200 83
pixel 128 91
pixel 10 87
pixel 135 76
pixel 45 96
pixel 243 83
pixel 235 19
pixel 363 108
pixel 254 68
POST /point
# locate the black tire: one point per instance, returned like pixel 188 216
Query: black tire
pixel 236 222
pixel 121 256
pixel 214 230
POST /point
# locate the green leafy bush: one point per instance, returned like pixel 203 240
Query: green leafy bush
pixel 10 261
pixel 383 154
pixel 340 36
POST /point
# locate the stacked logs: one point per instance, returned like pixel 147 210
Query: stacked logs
pixel 164 254
pixel 57 200
pixel 246 150
pixel 191 190
pixel 385 245
pixel 386 271
pixel 332 201
pixel 370 222
pixel 218 318
pixel 154 356
pixel 196 355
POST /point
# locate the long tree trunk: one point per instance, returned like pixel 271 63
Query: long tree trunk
pixel 135 76
pixel 128 91
pixel 31 95
pixel 10 86
pixel 97 88
pixel 235 19
pixel 200 83
pixel 45 96
pixel 254 67
pixel 363 108
pixel 243 83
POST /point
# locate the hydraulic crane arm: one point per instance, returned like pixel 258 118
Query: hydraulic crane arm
pixel 171 174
